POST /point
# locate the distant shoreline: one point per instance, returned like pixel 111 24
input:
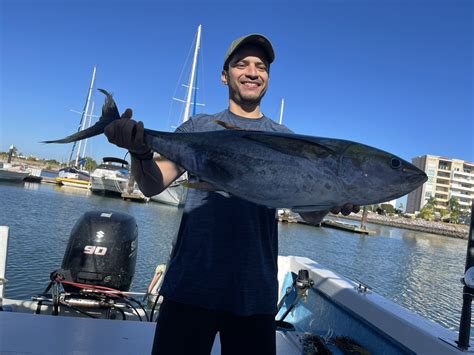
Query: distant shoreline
pixel 53 168
pixel 419 225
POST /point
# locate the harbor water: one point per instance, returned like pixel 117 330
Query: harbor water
pixel 417 270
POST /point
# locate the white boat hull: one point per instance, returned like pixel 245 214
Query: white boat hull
pixel 334 306
pixel 102 184
pixel 174 195
pixel 12 176
pixel 343 306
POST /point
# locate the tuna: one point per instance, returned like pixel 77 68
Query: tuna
pixel 279 170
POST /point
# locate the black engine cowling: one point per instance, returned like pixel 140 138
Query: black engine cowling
pixel 102 250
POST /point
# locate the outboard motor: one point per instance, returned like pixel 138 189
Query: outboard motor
pixel 102 251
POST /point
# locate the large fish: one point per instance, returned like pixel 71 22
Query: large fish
pixel 279 170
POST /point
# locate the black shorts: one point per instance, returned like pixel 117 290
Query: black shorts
pixel 184 329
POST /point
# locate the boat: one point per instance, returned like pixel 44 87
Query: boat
pixel 110 177
pixel 173 195
pixel 34 174
pixel 176 193
pixel 319 311
pixel 73 177
pixel 13 172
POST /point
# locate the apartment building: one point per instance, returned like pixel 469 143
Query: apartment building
pixel 446 178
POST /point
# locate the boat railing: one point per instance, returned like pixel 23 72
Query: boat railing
pixel 3 258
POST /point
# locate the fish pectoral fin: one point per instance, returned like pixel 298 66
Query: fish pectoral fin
pixel 312 208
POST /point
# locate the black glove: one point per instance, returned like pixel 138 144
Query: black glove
pixel 346 210
pixel 316 217
pixel 129 134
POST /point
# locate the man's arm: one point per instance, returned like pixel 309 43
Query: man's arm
pixel 154 175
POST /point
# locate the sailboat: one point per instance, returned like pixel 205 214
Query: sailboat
pixel 175 194
pixel 74 176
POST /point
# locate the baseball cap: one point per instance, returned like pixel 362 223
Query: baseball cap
pixel 254 38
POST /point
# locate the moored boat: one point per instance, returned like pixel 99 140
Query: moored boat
pixel 34 174
pixel 13 173
pixel 174 195
pixel 110 177
pixel 73 177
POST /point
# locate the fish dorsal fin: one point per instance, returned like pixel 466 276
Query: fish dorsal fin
pixel 291 144
pixel 228 125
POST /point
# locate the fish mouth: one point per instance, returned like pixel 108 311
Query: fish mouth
pixel 415 175
pixel 417 178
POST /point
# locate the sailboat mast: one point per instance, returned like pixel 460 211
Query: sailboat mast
pixel 281 109
pixel 192 76
pixel 84 114
pixel 90 121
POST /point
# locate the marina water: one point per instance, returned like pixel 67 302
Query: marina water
pixel 417 270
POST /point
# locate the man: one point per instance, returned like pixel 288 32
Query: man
pixel 222 276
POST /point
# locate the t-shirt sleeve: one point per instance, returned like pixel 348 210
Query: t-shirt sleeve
pixel 285 129
pixel 190 125
pixel 186 127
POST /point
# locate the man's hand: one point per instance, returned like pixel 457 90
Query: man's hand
pixel 346 210
pixel 317 217
pixel 127 133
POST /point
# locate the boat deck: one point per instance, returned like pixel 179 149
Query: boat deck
pixel 22 333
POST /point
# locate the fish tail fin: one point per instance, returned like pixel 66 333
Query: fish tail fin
pixel 109 113
pixel 109 108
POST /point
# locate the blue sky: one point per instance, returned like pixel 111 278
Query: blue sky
pixel 397 75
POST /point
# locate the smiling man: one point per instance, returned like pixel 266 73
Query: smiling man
pixel 222 275
pixel 246 73
pixel 223 272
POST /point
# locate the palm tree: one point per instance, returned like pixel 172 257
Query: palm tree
pixel 431 203
pixel 455 209
pixel 427 212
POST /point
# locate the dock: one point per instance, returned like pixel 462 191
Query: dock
pixel 346 227
pixel 49 180
pixel 132 193
pixel 134 196
pixel 329 223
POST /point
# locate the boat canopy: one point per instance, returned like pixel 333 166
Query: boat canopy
pixel 114 160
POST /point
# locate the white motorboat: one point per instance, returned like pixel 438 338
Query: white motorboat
pixel 13 173
pixel 110 177
pixel 319 310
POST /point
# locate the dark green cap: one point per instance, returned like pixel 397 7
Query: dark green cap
pixel 255 39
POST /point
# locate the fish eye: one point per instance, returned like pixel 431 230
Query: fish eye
pixel 395 163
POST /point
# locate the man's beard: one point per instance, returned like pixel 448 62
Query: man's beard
pixel 246 101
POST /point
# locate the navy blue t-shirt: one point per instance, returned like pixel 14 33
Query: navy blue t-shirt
pixel 226 251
